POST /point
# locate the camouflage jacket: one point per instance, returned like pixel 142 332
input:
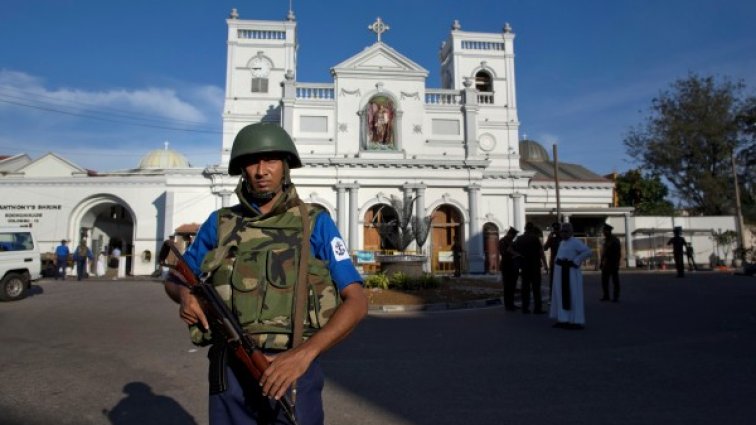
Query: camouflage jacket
pixel 254 269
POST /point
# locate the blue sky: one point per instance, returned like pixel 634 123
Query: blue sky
pixel 75 73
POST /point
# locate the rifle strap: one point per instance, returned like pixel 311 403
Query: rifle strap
pixel 300 294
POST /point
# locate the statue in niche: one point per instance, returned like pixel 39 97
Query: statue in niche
pixel 380 124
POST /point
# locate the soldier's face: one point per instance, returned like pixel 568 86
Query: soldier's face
pixel 265 173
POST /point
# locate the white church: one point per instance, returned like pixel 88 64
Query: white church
pixel 373 133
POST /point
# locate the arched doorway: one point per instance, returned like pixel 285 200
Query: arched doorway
pixel 106 222
pixel 491 247
pixel 446 225
pixel 375 217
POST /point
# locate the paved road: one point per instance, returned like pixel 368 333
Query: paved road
pixel 674 351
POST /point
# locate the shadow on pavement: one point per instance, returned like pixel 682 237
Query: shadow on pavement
pixel 143 407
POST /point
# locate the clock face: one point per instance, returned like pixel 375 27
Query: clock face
pixel 260 67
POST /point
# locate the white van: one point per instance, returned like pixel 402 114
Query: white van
pixel 20 262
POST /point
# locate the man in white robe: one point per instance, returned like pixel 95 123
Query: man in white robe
pixel 567 305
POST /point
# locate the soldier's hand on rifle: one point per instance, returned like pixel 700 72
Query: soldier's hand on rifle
pixel 191 311
pixel 284 369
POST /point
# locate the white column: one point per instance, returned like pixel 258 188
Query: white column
pixel 354 221
pixel 420 202
pixel 518 212
pixel 341 208
pixel 226 198
pixel 168 215
pixel 629 254
pixel 475 258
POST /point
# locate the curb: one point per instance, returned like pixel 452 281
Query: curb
pixel 386 309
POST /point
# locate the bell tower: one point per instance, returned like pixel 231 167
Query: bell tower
pixel 260 53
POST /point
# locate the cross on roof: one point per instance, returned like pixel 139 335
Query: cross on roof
pixel 378 27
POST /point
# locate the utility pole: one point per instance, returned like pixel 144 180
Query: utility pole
pixel 556 182
pixel 738 210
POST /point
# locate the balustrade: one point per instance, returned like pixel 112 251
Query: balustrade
pixel 443 97
pixel 315 92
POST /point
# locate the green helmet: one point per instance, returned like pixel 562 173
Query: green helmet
pixel 262 138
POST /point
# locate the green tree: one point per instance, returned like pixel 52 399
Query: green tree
pixel 689 137
pixel 647 194
pixel 746 161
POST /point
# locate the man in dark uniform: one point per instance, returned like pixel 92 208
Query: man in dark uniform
pixel 508 267
pixel 529 245
pixel 678 248
pixel 611 253
pixel 252 252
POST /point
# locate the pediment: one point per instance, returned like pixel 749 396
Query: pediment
pixel 51 165
pixel 380 58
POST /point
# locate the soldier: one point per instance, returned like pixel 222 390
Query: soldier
pixel 252 252
pixel 529 245
pixel 509 268
pixel 611 253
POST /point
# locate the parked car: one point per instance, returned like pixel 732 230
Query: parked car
pixel 20 262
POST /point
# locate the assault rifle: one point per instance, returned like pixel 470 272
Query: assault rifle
pixel 218 313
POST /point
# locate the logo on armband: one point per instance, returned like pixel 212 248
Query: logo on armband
pixel 339 249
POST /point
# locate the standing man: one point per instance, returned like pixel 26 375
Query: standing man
pixel 457 257
pixel 252 252
pixel 567 304
pixel 678 248
pixel 529 245
pixel 611 253
pixel 61 260
pixel 80 257
pixel 509 267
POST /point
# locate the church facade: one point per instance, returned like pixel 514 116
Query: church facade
pixel 373 135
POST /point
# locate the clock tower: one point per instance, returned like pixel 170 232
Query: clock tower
pixel 260 53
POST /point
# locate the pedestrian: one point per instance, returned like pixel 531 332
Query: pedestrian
pixel 530 247
pixel 61 260
pixel 264 238
pixel 80 256
pixel 691 257
pixel 101 260
pixel 509 267
pixel 457 256
pixel 115 257
pixel 567 304
pixel 611 253
pixel 678 246
pixel 552 245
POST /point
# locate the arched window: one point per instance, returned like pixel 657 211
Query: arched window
pixel 483 82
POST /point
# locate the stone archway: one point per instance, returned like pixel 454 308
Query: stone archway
pixel 446 230
pixel 106 222
pixel 491 247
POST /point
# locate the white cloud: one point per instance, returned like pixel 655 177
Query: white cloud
pixel 136 105
pixel 112 128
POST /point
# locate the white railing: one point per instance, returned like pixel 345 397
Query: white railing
pixel 482 45
pixel 443 97
pixel 262 34
pixel 315 92
pixel 485 98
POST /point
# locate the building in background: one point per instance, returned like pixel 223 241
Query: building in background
pixel 374 133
